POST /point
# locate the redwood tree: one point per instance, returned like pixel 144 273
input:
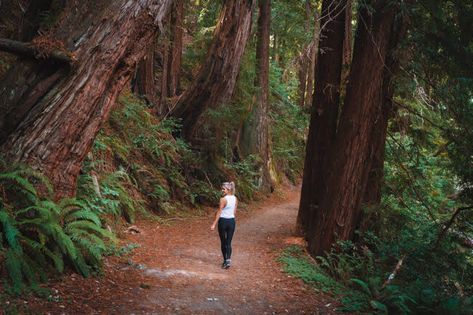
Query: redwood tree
pixel 324 109
pixel 216 79
pixel 143 83
pixel 68 107
pixel 175 51
pixel 255 134
pixel 351 156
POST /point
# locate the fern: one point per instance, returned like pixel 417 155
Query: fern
pixel 38 235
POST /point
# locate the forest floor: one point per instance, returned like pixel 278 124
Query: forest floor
pixel 177 270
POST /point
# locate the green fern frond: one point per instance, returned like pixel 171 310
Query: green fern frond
pixel 19 182
pixel 13 263
pixel 39 212
pixel 27 172
pixel 83 225
pixel 9 230
pixel 41 251
pixel 83 215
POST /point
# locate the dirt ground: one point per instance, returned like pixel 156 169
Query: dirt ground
pixel 177 270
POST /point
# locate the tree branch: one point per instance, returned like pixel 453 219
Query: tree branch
pixel 28 50
pixel 449 224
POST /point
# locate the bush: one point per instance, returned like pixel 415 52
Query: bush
pixel 38 235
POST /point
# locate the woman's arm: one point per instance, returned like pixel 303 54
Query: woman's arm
pixel 236 206
pixel 223 203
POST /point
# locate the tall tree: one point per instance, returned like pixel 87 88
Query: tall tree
pixel 255 134
pixel 58 130
pixel 324 113
pixel 351 156
pixel 143 83
pixel 216 79
pixel 175 51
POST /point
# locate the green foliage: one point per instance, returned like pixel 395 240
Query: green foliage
pixel 290 124
pixel 247 172
pixel 115 195
pixel 141 164
pixel 38 235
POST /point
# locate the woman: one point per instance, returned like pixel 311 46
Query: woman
pixel 225 217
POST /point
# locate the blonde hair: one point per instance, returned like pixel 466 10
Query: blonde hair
pixel 230 186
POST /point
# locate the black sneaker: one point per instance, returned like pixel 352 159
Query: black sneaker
pixel 224 264
pixel 227 264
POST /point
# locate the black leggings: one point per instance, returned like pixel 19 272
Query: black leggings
pixel 226 228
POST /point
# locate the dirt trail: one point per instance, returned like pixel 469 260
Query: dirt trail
pixel 181 274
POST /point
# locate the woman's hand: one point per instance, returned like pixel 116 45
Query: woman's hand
pixel 212 228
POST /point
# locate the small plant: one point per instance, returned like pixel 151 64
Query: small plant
pixel 38 235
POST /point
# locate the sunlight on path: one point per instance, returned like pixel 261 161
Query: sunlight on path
pixel 177 272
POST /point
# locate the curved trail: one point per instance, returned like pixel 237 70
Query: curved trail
pixel 186 276
pixel 176 270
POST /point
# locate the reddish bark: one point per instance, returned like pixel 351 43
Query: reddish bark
pixel 175 52
pixel 58 133
pixel 255 135
pixel 143 82
pixel 313 50
pixel 324 110
pixel 216 79
pixel 352 154
pixel 164 77
pixel 372 194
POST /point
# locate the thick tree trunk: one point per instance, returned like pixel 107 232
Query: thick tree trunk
pixel 175 52
pixel 302 74
pixel 57 133
pixel 372 194
pixel 216 80
pixel 164 78
pixel 352 154
pixel 324 111
pixel 143 83
pixel 255 135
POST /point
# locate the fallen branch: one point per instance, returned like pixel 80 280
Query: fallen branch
pixel 29 50
pixel 394 273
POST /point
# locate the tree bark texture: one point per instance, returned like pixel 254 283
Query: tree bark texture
pixel 255 134
pixel 352 154
pixel 313 50
pixel 175 51
pixel 324 112
pixel 143 82
pixel 372 194
pixel 57 133
pixel 217 76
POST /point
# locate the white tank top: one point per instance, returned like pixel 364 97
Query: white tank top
pixel 228 211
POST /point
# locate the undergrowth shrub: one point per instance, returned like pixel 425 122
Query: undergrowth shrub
pixel 39 236
pixel 358 280
pixel 141 164
pixel 115 197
